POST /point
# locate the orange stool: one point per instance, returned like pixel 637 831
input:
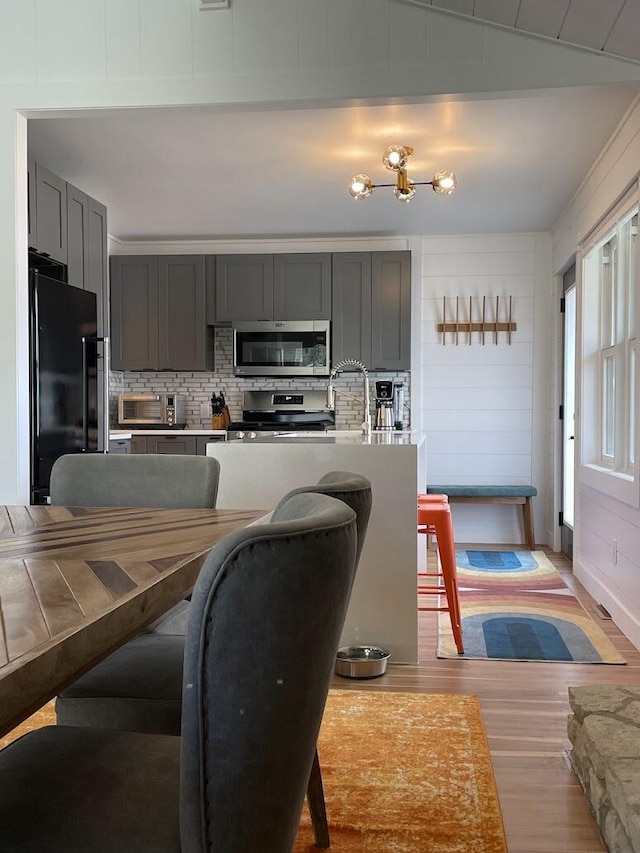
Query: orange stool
pixel 434 518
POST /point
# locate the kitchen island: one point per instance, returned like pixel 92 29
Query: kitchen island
pixel 383 607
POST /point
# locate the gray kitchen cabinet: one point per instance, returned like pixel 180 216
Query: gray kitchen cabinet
pixel 273 287
pixel 51 214
pixel 351 315
pixel 210 289
pixel 185 342
pixel 96 276
pixel 302 287
pixel 244 287
pixel 183 444
pixel 134 312
pixel 31 205
pixel 77 235
pixel 138 444
pixel 371 312
pixel 391 311
pixel 158 313
pixel 120 445
pixel 87 247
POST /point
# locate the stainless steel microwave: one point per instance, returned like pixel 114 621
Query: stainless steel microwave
pixel 282 348
pixel 152 410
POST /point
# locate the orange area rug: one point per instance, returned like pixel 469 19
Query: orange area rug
pixel 402 773
pixel 406 773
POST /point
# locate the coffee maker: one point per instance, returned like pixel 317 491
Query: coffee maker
pixel 385 415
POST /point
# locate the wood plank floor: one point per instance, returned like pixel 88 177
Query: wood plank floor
pixel 525 708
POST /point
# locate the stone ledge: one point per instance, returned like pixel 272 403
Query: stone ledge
pixel 604 731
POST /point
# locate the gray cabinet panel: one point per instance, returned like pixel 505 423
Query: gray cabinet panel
pixel 183 444
pixel 134 312
pixel 31 205
pixel 351 316
pixel 210 289
pixel 302 287
pixel 95 277
pixel 120 445
pixel 181 289
pixel 391 311
pixel 138 444
pixel 244 287
pixel 51 214
pixel 77 235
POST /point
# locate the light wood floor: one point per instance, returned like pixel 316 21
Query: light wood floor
pixel 525 708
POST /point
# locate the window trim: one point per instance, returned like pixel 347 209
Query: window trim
pixel 612 475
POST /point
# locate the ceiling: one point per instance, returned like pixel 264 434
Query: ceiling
pixel 205 173
pixel 611 26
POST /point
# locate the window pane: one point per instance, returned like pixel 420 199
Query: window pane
pixel 608 259
pixel 632 266
pixel 608 411
pixel 632 407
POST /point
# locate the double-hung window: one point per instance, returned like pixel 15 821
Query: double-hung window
pixel 609 357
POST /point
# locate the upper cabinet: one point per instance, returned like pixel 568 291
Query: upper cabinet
pixel 50 225
pixel 273 287
pixel 244 287
pixel 371 319
pixel 302 287
pixel 87 248
pixel 391 311
pixel 158 313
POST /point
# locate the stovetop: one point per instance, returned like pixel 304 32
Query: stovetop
pixel 282 411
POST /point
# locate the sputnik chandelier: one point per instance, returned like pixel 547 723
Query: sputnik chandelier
pixel 395 159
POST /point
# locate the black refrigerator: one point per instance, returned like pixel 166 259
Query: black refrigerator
pixel 64 375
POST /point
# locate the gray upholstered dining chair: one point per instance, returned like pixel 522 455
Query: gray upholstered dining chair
pixel 139 687
pixel 266 616
pixel 135 480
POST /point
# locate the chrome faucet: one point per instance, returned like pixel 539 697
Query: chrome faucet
pixel 351 364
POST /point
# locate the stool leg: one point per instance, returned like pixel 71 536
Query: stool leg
pixel 527 514
pixel 447 551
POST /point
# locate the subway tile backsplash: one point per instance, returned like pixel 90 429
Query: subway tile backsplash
pixel 199 386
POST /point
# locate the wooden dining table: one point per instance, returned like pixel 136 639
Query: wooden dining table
pixel 77 582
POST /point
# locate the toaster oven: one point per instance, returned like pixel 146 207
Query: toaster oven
pixel 167 411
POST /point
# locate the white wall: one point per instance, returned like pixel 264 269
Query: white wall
pixel 485 406
pixel 599 518
pixel 83 54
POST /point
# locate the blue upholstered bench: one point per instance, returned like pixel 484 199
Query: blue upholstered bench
pixel 494 495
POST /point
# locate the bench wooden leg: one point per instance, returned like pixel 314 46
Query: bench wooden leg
pixel 527 515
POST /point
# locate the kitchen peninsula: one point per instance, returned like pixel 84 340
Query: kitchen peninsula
pixel 383 607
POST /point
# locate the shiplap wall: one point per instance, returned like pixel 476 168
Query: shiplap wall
pixel 599 518
pixel 480 402
pixel 84 54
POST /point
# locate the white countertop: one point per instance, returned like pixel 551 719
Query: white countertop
pixel 355 438
pixel 127 433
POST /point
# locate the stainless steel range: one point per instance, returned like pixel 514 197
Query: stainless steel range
pixel 274 412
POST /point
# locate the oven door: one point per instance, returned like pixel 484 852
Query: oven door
pixel 281 348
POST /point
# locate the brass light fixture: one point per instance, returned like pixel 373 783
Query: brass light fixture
pixel 395 158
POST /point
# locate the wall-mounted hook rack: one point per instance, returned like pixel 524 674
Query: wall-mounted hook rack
pixel 466 324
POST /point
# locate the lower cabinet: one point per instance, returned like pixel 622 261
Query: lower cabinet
pixel 185 444
pixel 181 444
pixel 120 445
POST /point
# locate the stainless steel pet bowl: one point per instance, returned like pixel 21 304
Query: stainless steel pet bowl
pixel 361 661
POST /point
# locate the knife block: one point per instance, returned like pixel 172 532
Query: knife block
pixel 221 421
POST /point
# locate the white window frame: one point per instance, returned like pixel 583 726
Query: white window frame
pixel 609 461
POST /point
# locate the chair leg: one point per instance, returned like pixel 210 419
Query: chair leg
pixel 449 576
pixel 317 808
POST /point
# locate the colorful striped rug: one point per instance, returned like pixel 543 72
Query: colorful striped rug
pixel 515 606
